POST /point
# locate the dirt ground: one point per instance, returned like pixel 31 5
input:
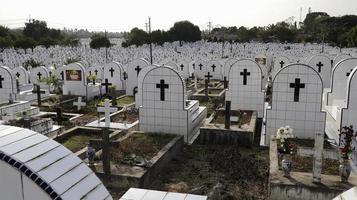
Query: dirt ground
pixel 119 118
pixel 220 172
pixel 85 119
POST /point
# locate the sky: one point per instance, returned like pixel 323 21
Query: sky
pixel 123 15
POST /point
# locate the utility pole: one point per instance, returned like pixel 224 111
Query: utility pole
pixel 150 40
pixel 323 43
pixel 106 49
pixel 209 26
pixel 146 27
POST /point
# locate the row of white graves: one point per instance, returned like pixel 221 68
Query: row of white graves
pixel 11 98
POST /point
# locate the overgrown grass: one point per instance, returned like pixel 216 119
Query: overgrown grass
pixel 78 142
pixel 125 100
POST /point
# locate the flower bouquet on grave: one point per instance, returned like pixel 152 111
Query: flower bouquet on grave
pixel 285 148
pixel 346 149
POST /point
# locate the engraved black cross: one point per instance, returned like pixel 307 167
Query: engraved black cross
pixel 181 67
pixel 39 75
pixel 245 73
pixel 137 69
pixel 111 71
pixel 297 86
pixel 281 64
pixel 162 87
pixel 213 67
pixel 319 65
pixel 1 79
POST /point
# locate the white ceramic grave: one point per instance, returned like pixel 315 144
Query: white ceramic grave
pixel 200 69
pixel 21 75
pixel 322 64
pixel 75 82
pixel 296 102
pixel 214 67
pixel 245 87
pixel 33 166
pixel 114 72
pixel 183 68
pixel 37 74
pixel 163 107
pixel 339 75
pixel 279 63
pixel 133 71
pixel 7 85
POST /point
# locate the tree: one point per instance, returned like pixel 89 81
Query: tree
pixel 157 37
pixel 36 29
pixel 99 41
pixel 351 37
pixel 5 42
pixel 25 43
pixel 185 31
pixel 137 37
pixel 48 41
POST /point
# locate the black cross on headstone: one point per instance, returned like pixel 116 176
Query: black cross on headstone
pixel 181 67
pixel 137 69
pixel 319 65
pixel 162 87
pixel 348 73
pixel 192 76
pixel 1 79
pixel 111 71
pixel 50 73
pixel 17 86
pixel 39 75
pixel 125 75
pixel 213 67
pixel 106 84
pixel 206 89
pixel 200 65
pixel 225 82
pixel 96 72
pixel 297 85
pixel 193 65
pixel 90 73
pixel 281 64
pixel 208 76
pixel 62 75
pixel 17 74
pixel 245 73
pixel 135 91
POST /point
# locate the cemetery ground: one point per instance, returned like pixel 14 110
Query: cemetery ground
pixel 224 172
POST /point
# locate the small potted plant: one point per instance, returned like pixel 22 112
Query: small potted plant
pixel 346 149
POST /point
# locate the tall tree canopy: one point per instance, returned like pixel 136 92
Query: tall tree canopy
pixel 99 41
